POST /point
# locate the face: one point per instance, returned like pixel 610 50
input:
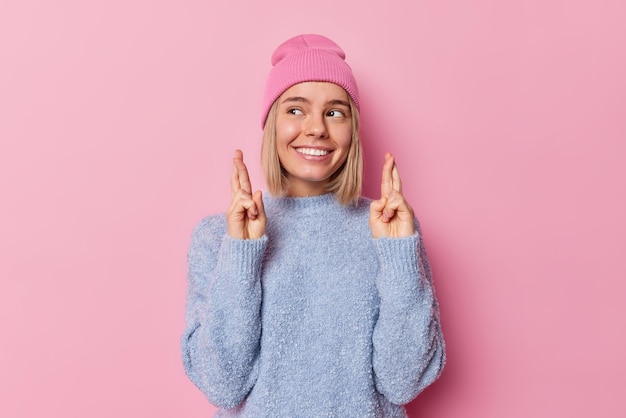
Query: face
pixel 313 135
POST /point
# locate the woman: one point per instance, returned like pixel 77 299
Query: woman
pixel 309 300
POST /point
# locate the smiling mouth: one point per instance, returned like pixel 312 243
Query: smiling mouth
pixel 312 151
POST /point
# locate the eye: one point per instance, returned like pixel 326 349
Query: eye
pixel 336 114
pixel 295 111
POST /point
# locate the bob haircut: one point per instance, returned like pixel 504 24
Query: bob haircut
pixel 345 183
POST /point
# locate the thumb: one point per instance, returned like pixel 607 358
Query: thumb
pixel 377 206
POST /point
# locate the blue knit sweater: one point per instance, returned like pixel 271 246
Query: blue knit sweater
pixel 314 319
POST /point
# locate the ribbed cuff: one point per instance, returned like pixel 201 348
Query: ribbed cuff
pixel 243 257
pixel 398 256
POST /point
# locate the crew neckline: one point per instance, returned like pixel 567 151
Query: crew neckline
pixel 299 201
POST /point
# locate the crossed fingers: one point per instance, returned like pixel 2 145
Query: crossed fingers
pixel 391 177
pixel 391 188
pixel 241 188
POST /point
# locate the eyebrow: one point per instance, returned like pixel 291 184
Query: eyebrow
pixel 295 99
pixel 334 102
pixel 339 102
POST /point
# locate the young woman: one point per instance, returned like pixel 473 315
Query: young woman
pixel 310 300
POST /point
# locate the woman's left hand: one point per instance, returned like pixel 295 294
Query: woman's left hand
pixel 391 215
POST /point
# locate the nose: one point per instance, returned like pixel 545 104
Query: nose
pixel 316 127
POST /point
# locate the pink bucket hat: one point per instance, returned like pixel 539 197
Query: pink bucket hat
pixel 307 58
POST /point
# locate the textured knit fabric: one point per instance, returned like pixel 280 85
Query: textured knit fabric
pixel 314 319
pixel 307 58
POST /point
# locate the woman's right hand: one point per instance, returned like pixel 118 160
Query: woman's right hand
pixel 246 215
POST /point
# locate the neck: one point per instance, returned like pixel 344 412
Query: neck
pixel 299 188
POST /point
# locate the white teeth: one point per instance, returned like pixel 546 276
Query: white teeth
pixel 312 151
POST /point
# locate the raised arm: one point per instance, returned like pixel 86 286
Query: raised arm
pixel 409 350
pixel 221 341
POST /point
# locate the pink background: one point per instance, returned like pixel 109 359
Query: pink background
pixel 118 120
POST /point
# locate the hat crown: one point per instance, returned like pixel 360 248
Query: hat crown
pixel 304 42
pixel 307 58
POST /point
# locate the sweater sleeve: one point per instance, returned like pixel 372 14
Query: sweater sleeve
pixel 221 342
pixel 409 350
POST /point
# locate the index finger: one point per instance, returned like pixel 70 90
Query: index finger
pixel 395 177
pixel 240 179
pixel 386 185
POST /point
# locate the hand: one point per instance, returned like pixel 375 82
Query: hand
pixel 246 215
pixel 391 215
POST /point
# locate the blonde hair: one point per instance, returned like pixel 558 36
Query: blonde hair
pixel 345 183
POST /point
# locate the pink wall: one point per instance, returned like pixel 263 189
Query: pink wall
pixel 118 120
